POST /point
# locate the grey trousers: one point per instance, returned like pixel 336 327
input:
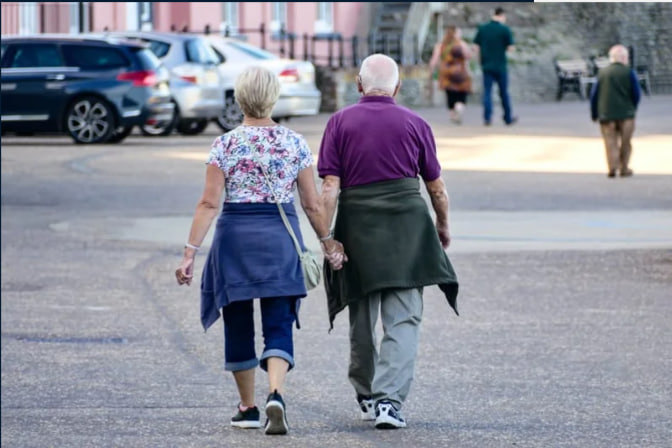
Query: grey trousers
pixel 385 375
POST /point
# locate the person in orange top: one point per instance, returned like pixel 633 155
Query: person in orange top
pixel 451 56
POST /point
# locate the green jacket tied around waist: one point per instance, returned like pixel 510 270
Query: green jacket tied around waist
pixel 391 242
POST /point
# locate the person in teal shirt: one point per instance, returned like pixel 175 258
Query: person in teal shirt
pixel 493 40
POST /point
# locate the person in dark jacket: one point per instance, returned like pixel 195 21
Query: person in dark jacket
pixel 494 40
pixel 613 101
pixel 372 157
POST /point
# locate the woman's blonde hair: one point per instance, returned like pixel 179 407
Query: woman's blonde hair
pixel 257 90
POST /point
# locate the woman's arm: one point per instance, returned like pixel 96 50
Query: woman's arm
pixel 466 50
pixel 436 54
pixel 206 211
pixel 317 214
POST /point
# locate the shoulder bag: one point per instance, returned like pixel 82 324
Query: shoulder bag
pixel 312 270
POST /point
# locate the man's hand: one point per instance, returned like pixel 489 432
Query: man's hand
pixel 444 234
pixel 334 253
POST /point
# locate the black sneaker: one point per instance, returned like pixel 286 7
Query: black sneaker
pixel 387 417
pixel 367 413
pixel 249 418
pixel 276 422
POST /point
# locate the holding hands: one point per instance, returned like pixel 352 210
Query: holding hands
pixel 334 253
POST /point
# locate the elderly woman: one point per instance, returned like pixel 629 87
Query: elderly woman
pixel 252 254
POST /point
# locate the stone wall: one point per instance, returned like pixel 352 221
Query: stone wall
pixel 339 87
pixel 543 32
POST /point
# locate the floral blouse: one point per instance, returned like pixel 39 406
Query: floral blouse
pixel 282 151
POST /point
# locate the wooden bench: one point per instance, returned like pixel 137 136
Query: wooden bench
pixel 573 76
pixel 641 71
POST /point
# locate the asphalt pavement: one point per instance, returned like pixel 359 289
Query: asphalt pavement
pixel 564 338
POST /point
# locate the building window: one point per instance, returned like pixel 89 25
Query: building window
pixel 79 17
pixel 146 16
pixel 139 16
pixel 28 18
pixel 325 18
pixel 230 18
pixel 278 16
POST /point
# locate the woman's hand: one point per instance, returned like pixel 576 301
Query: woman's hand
pixel 334 253
pixel 185 273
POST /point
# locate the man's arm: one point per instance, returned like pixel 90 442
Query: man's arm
pixel 636 89
pixel 593 100
pixel 331 186
pixel 441 205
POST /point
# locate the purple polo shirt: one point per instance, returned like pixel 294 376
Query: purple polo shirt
pixel 377 140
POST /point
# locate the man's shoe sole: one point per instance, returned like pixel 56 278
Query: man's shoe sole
pixel 277 423
pixel 246 425
pixel 387 425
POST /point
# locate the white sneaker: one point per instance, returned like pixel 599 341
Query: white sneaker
pixel 387 417
pixel 367 412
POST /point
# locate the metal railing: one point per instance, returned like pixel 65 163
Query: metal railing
pixel 328 49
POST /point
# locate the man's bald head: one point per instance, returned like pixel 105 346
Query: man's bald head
pixel 618 53
pixel 379 73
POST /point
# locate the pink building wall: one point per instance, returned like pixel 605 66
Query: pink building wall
pixel 301 19
pixel 110 15
pixel 10 18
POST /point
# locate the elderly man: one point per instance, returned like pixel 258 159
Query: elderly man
pixel 373 152
pixel 613 101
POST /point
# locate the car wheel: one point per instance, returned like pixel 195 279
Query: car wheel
pixel 192 127
pixel 232 116
pixel 90 120
pixel 120 133
pixel 161 128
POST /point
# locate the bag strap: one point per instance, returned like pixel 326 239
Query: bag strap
pixel 288 226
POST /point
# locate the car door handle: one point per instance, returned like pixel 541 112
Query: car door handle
pixel 57 77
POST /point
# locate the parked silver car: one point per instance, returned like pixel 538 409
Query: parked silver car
pixel 196 84
pixel 298 93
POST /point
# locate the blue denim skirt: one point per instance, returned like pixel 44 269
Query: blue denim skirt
pixel 252 256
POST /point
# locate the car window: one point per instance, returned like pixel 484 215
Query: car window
pixel 148 60
pixel 220 56
pixel 4 47
pixel 199 51
pixel 36 55
pixel 160 49
pixel 249 50
pixel 89 57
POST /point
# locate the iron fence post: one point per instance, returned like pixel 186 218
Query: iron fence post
pixel 341 55
pixel 355 51
pixel 330 50
pixel 305 46
pixel 262 32
pixel 292 39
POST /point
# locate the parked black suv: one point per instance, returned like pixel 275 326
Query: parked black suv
pixel 96 90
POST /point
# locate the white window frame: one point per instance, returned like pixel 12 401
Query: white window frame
pixel 278 16
pixel 28 18
pixel 75 17
pixel 230 17
pixel 145 22
pixel 132 22
pixel 325 17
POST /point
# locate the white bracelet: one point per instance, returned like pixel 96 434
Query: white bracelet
pixel 191 246
pixel 328 237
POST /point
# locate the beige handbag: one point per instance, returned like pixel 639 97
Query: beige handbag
pixel 312 270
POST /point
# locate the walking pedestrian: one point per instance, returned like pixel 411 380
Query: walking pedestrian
pixel 370 158
pixel 493 40
pixel 613 102
pixel 450 56
pixel 253 254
